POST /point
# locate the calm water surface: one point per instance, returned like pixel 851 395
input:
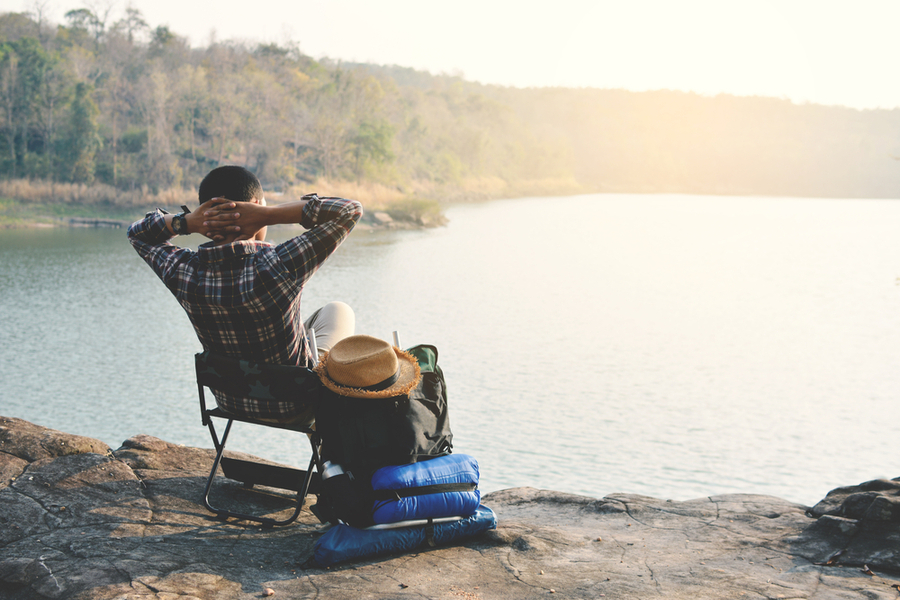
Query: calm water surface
pixel 674 346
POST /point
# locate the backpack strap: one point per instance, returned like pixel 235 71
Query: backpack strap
pixel 438 488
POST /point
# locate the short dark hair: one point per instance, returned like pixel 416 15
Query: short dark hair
pixel 232 182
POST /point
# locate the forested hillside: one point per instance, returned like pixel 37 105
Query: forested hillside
pixel 132 108
pixel 129 106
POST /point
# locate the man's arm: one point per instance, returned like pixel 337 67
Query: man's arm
pixel 329 221
pixel 150 236
pixel 246 218
pixel 241 221
pixel 202 221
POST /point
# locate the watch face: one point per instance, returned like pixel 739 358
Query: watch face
pixel 178 224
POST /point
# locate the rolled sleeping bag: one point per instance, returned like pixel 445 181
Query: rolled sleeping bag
pixel 342 542
pixel 444 486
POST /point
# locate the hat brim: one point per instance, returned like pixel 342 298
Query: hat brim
pixel 407 380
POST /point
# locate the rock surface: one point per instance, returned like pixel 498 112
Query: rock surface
pixel 78 520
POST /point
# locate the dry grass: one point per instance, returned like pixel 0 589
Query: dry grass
pixel 28 191
pixel 374 196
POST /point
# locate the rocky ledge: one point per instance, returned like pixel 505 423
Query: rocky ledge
pixel 80 520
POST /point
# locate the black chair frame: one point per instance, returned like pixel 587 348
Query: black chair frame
pixel 251 473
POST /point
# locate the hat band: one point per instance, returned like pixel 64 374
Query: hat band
pixel 383 385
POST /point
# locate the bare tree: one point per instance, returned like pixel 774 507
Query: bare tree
pixel 38 8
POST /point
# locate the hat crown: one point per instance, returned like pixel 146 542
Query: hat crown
pixel 361 361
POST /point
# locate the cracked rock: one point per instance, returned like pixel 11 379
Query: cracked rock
pixel 78 521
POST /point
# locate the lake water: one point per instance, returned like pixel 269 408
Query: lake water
pixel 668 345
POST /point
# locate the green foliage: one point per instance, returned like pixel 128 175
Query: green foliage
pixel 133 141
pixel 371 146
pixel 133 105
pixel 82 18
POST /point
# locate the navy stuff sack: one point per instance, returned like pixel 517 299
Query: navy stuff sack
pixel 446 486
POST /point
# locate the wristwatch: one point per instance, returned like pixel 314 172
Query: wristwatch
pixel 179 223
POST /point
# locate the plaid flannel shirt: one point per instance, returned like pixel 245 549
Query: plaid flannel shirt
pixel 243 299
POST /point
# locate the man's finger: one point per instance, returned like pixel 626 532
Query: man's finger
pixel 221 210
pixel 217 220
pixel 217 226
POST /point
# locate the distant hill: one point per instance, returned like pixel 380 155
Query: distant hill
pixel 678 142
pixel 670 141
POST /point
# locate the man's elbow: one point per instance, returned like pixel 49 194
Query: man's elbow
pixel 352 213
pixel 133 230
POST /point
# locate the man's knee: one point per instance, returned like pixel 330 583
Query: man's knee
pixel 333 322
pixel 339 308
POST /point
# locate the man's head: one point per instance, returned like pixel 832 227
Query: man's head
pixel 232 182
pixel 236 184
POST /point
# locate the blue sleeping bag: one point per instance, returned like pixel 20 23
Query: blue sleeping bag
pixel 342 542
pixel 457 472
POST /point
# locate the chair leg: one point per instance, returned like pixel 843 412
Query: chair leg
pixel 301 493
pixel 224 514
pixel 220 451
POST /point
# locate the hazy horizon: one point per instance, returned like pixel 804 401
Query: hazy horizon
pixel 833 53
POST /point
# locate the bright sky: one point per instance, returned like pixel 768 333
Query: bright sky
pixel 824 51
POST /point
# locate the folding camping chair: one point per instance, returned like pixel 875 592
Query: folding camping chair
pixel 268 386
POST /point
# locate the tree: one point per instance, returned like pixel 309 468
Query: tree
pixel 116 63
pixel 9 97
pixel 39 9
pixel 132 23
pixel 84 19
pixel 55 93
pixel 23 68
pixel 83 140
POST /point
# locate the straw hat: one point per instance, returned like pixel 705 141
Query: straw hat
pixel 362 366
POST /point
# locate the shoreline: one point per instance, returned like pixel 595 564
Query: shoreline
pixel 26 204
pixel 384 222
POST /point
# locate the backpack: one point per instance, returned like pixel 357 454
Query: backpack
pixel 365 434
pixel 359 436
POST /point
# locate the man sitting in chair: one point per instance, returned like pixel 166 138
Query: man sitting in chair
pixel 241 293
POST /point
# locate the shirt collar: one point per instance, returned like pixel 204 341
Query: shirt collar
pixel 211 253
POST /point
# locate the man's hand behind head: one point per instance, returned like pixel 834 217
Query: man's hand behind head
pixel 214 219
pixel 226 222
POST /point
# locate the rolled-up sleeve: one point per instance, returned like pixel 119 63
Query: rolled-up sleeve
pixel 150 238
pixel 329 221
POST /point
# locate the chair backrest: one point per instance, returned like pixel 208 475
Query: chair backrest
pixel 270 389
